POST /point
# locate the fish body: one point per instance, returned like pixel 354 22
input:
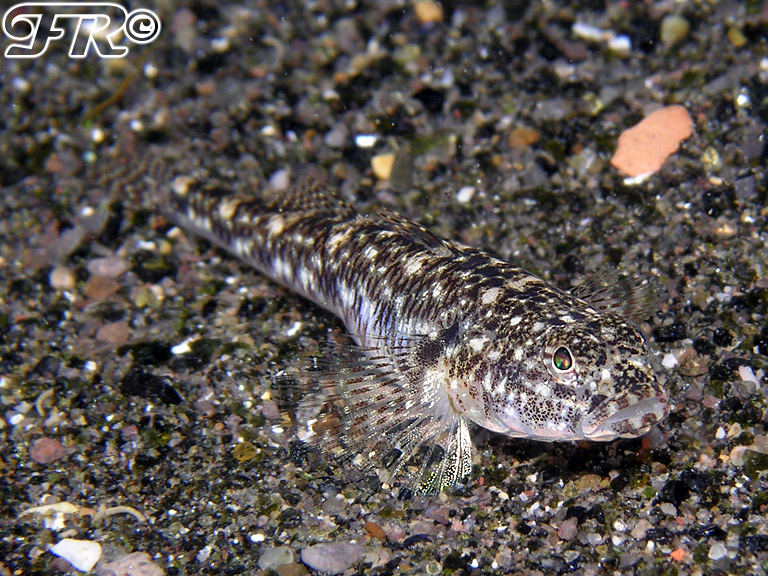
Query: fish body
pixel 446 334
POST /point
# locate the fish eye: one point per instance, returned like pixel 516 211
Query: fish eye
pixel 562 359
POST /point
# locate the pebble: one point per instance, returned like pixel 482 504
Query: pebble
pixel 465 194
pixel 669 509
pixel 291 570
pixel 428 12
pixel 644 148
pixel 46 450
pixel 674 29
pixel 382 164
pixel 523 137
pixel 718 551
pixel 134 564
pixel 639 530
pixel 115 333
pixel 100 287
pixel 271 558
pixel 395 533
pixel 568 529
pixel 82 554
pixel 111 267
pixel 375 530
pixel 338 136
pixel 332 558
pixel 736 37
pixel 280 180
pixel 61 278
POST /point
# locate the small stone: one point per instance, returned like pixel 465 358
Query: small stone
pixel 674 29
pixel 61 278
pixel 736 37
pixel 206 88
pixel 332 558
pixel 246 451
pixel 112 267
pixel 53 164
pixel 465 194
pixel 718 551
pixel 291 570
pixel 338 136
pixel 669 509
pixel 274 557
pixel 99 288
pixel 82 554
pixel 644 148
pixel 523 137
pixel 639 530
pixel 280 180
pixel 375 530
pixel 621 44
pixel 428 12
pixel 115 333
pixel 134 564
pixel 395 533
pixel 46 450
pixel 568 529
pixel 271 411
pixel 594 539
pixel 382 164
pixel 588 482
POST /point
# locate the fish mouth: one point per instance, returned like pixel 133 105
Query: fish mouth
pixel 624 418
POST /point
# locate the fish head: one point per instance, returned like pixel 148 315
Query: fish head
pixel 583 380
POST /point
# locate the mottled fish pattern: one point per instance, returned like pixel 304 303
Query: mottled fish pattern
pixel 445 334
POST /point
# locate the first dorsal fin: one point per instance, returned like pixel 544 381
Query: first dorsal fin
pixel 633 297
pixel 312 196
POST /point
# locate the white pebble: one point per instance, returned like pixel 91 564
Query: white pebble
pixel 21 85
pixel 718 551
pixel 465 194
pixel 366 140
pixel 82 554
pixel 587 32
pixel 332 558
pixel 594 539
pixel 669 361
pixel 150 70
pixel 621 44
pixel 182 348
pixel 747 375
pixel 294 329
pixel 280 180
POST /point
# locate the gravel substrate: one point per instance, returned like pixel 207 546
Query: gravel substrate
pixel 135 361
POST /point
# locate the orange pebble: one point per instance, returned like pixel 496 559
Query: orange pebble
pixel 644 148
